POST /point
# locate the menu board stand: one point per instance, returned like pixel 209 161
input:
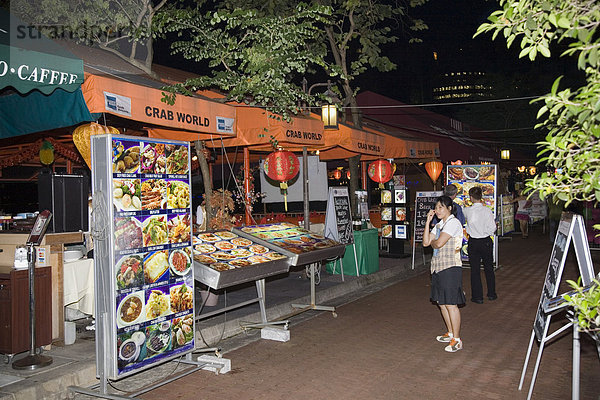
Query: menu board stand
pixel 424 201
pixel 570 228
pixel 142 257
pixel 34 361
pixel 338 222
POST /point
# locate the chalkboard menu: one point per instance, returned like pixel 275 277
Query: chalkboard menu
pixel 424 201
pixel 338 218
pixel 555 269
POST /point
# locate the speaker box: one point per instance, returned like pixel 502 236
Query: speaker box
pixel 66 196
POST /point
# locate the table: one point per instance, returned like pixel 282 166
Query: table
pixel 367 255
pixel 79 285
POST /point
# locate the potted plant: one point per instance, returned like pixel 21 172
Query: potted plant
pixel 585 301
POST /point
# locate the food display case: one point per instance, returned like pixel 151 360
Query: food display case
pixel 300 245
pixel 223 258
pixel 142 252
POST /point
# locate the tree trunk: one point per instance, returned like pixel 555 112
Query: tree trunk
pixel 206 179
pixel 353 166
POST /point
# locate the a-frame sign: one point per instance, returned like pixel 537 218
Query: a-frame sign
pixel 570 228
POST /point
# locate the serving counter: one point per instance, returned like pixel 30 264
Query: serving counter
pixel 50 253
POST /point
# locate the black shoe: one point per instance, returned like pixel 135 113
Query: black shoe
pixel 492 298
pixel 478 301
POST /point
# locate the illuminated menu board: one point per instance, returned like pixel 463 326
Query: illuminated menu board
pixel 152 280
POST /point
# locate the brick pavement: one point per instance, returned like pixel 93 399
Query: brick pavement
pixel 382 346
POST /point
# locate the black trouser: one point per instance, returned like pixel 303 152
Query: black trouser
pixel 482 250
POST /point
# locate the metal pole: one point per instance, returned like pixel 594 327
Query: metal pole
pixel 305 180
pixel 576 364
pixel 248 217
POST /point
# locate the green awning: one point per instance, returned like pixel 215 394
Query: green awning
pixel 29 60
pixel 36 112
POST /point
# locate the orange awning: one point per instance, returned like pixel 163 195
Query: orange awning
pixel 255 126
pixel 143 103
pixel 346 142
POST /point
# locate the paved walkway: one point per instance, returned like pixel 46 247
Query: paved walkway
pixel 383 346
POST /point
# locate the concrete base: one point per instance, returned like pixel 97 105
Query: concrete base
pixel 224 363
pixel 275 333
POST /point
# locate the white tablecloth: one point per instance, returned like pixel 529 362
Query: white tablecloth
pixel 78 285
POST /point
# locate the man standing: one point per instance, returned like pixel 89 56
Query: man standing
pixel 480 227
pixel 451 190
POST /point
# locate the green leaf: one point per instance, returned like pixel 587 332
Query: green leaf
pixel 563 22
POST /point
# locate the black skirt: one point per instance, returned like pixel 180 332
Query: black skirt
pixel 446 287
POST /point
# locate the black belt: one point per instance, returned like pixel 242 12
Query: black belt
pixel 484 238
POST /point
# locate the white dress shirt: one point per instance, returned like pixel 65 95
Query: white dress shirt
pixel 480 221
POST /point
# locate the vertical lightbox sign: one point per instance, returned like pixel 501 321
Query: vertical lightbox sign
pixel 151 282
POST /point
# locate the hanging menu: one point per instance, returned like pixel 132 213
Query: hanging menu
pixel 338 218
pixel 153 276
pixel 507 214
pixel 424 201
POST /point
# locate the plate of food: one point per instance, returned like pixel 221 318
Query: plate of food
pixel 471 173
pixel 258 249
pixel 158 341
pixel 177 159
pixel 155 230
pixel 182 330
pixel 456 173
pixel 274 256
pixel 127 161
pixel 258 259
pixel 129 351
pixel 220 266
pixel 208 237
pixel 226 235
pixel 386 231
pixel 155 266
pixel 130 272
pixel 386 196
pixel 178 194
pixel 224 245
pixel 205 248
pixel 157 305
pixel 222 255
pixel 204 259
pixel 240 262
pixel 241 242
pixel 179 262
pixel 130 309
pixel 241 253
pixel 180 230
pixel 386 213
pixel 128 233
pixel 149 156
pixel 154 194
pixel 126 194
pixel 182 298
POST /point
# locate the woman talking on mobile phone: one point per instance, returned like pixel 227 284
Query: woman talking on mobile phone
pixel 446 272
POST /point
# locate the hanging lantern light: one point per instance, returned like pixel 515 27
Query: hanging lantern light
pixel 46 153
pixel 282 165
pixel 337 174
pixel 81 138
pixel 380 171
pixel 434 169
pixel 348 174
pixel 505 154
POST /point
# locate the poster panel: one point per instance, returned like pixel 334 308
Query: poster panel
pixel 338 218
pixel 147 274
pixel 424 201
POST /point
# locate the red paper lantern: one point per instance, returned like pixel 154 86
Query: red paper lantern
pixel 380 171
pixel 337 174
pixel 282 165
pixel 434 169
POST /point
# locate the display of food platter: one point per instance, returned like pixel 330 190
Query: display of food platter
pixel 300 245
pixel 223 259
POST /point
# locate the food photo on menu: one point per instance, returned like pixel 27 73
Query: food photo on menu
pixel 155 231
pixel 128 233
pixel 400 214
pixel 179 227
pixel 154 194
pixel 130 309
pixel 178 194
pixel 126 157
pixel 127 194
pixel 131 348
pixel 180 262
pixel 130 271
pixel 386 213
pixel 153 159
pixel 182 331
pixel 158 338
pixel 177 159
pixel 158 303
pixel 182 297
pixel 156 266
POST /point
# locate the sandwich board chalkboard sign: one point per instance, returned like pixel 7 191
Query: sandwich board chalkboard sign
pixel 570 228
pixel 424 201
pixel 338 218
